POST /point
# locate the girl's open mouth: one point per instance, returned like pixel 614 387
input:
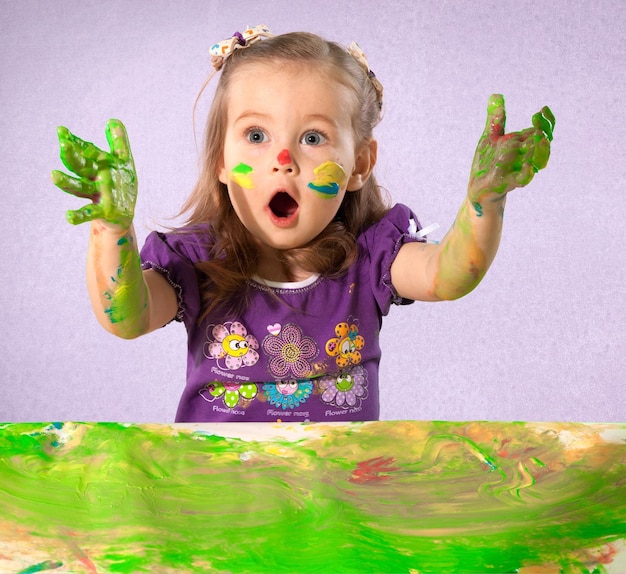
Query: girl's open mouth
pixel 283 206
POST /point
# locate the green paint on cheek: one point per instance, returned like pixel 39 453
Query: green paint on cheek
pixel 329 179
pixel 241 174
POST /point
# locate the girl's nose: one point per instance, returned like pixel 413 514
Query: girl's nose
pixel 284 157
pixel 284 162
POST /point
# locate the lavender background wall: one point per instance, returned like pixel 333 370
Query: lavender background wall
pixel 541 339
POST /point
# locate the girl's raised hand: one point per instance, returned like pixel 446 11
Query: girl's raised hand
pixel 502 161
pixel 108 179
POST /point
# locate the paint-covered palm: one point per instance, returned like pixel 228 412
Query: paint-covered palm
pixel 502 161
pixel 107 178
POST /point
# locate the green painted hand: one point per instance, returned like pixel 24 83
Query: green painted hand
pixel 502 161
pixel 108 179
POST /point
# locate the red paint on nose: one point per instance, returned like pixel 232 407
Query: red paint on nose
pixel 283 157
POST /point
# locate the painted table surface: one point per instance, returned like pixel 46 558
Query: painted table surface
pixel 393 496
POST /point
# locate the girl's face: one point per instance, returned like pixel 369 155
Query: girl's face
pixel 289 151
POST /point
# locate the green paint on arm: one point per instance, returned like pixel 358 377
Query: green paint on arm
pixel 128 295
pixel 462 262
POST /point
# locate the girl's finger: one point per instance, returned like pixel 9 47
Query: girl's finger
pixel 528 134
pixel 541 121
pixel 86 213
pixel 536 151
pixel 74 186
pixel 73 160
pixel 541 152
pixel 496 116
pixel 118 140
pixel 525 175
pixel 82 148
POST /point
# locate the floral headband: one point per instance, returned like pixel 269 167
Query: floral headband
pixel 222 50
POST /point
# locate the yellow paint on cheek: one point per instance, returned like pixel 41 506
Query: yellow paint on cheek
pixel 241 174
pixel 329 179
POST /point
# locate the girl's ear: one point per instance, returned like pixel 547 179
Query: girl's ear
pixel 221 172
pixel 363 165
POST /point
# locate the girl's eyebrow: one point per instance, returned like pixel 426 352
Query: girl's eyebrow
pixel 249 114
pixel 322 118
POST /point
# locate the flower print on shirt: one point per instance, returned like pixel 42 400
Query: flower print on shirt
pixel 291 352
pixel 346 346
pixel 288 394
pixel 345 389
pixel 231 393
pixel 231 343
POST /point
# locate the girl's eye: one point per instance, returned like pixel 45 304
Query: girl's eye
pixel 313 138
pixel 256 136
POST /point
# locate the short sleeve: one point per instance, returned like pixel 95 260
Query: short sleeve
pixel 173 255
pixel 381 243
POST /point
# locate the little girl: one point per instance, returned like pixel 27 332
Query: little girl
pixel 290 257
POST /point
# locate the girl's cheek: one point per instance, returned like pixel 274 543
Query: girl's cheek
pixel 242 174
pixel 329 178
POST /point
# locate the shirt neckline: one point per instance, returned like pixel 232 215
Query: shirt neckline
pixel 287 284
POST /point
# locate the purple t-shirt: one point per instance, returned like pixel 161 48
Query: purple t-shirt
pixel 305 351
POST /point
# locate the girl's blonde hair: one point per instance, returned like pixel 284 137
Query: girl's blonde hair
pixel 233 252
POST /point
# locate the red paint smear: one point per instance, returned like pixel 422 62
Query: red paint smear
pixel 89 565
pixel 284 157
pixel 607 556
pixel 78 551
pixel 370 470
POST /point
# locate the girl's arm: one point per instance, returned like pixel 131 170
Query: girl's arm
pixel 501 163
pixel 127 301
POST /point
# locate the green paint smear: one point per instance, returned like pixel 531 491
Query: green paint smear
pixel 128 294
pixel 378 497
pixel 478 208
pixel 242 169
pixel 328 190
pixel 462 264
pixel 41 567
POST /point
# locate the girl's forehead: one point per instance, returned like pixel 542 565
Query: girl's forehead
pixel 272 77
pixel 288 71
